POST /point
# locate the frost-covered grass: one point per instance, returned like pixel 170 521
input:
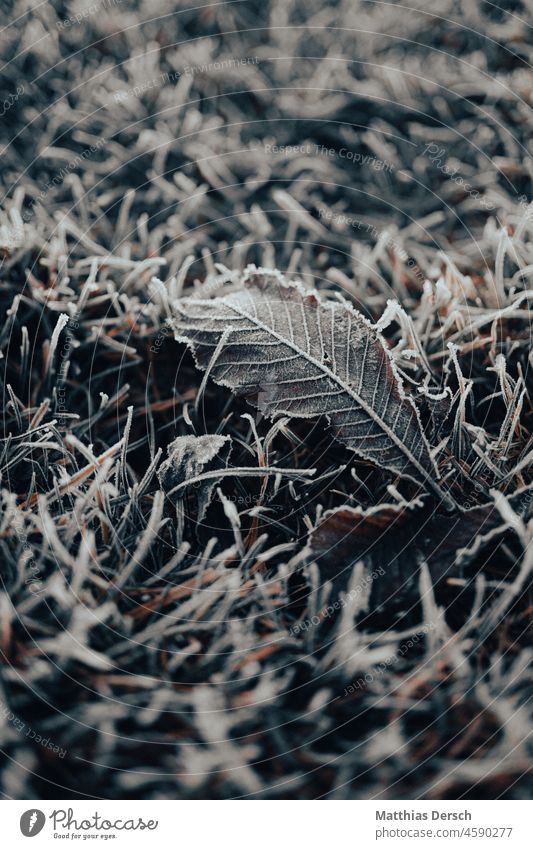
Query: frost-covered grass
pixel 199 601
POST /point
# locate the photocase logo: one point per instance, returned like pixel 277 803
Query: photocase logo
pixel 32 822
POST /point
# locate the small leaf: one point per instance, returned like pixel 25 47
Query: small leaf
pixel 188 456
pixel 347 534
